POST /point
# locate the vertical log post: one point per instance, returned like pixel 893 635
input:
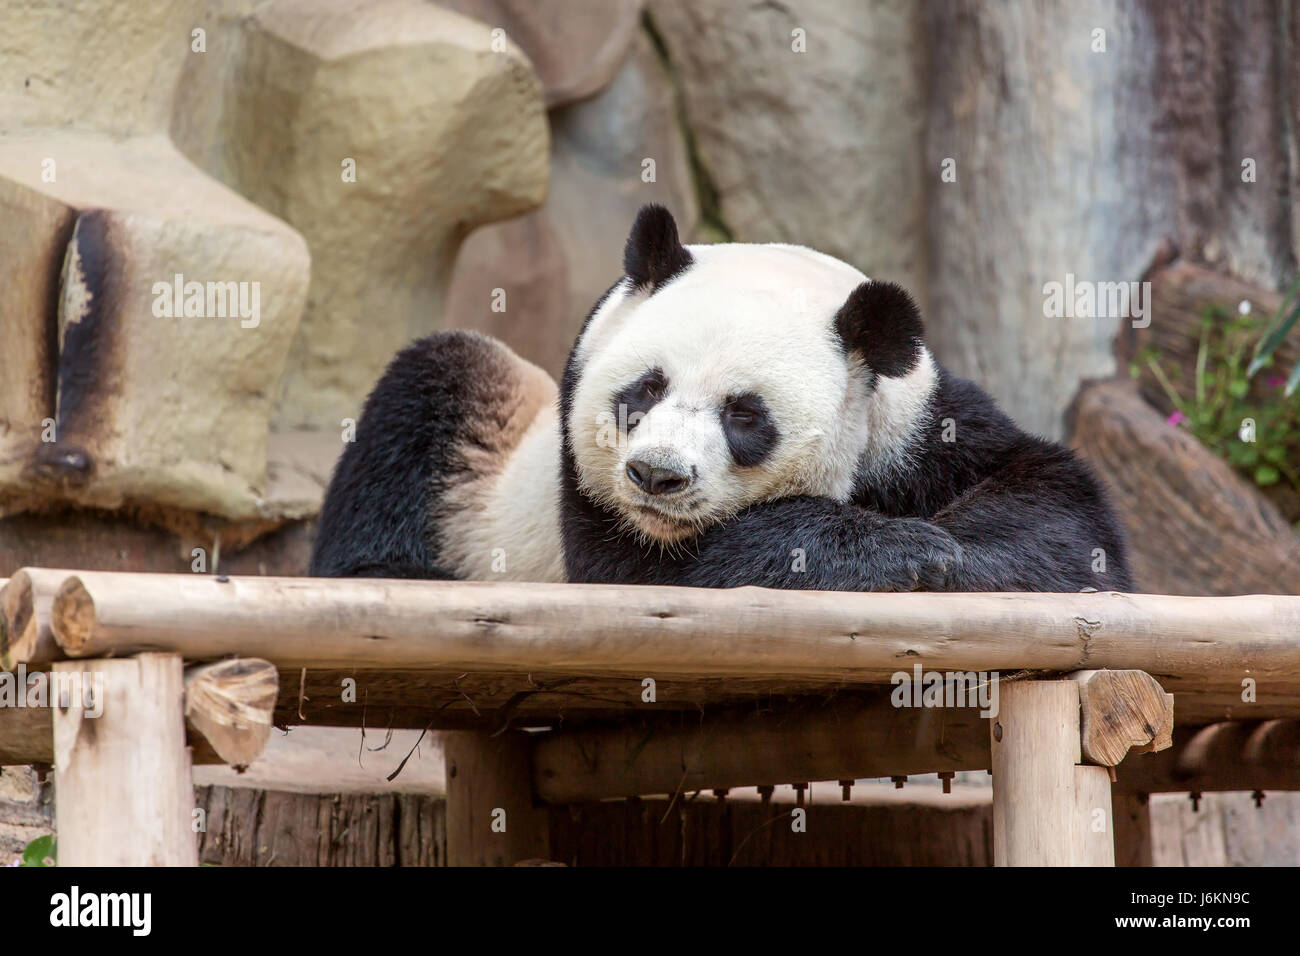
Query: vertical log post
pixel 1047 809
pixel 124 792
pixel 491 817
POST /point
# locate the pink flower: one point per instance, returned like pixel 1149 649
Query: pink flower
pixel 1277 381
pixel 1175 419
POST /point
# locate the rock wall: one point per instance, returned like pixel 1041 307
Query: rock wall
pixel 379 170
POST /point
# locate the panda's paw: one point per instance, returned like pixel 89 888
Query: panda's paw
pixel 909 554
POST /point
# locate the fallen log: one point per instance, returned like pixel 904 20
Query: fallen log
pixel 1194 525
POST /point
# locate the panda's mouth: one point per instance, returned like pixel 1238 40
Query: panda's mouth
pixel 662 524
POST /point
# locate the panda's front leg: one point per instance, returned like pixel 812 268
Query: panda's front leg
pixel 821 544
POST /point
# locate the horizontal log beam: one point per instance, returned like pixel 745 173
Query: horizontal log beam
pixel 643 631
pixel 748 747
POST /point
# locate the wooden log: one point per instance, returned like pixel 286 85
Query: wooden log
pixel 25 636
pixel 743 748
pixel 1122 710
pixel 491 817
pixel 228 709
pixel 1194 525
pixel 125 792
pixel 1045 806
pixel 1274 743
pixel 642 631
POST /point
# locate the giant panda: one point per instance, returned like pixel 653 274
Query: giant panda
pixel 730 415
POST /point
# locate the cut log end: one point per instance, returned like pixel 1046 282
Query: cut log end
pixel 25 634
pixel 72 617
pixel 1122 710
pixel 17 620
pixel 228 709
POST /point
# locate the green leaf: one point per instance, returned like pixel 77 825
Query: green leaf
pixel 1274 336
pixel 1292 380
pixel 39 850
pixel 1266 475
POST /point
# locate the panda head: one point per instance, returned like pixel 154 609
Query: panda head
pixel 713 377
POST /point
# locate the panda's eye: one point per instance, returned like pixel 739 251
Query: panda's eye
pixel 639 396
pixel 653 387
pixel 749 428
pixel 741 412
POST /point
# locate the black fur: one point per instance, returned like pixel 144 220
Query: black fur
pixel 880 322
pixel 376 518
pixel 653 254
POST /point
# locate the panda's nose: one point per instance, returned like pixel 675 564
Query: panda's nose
pixel 656 480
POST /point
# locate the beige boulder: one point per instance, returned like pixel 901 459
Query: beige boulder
pixel 176 143
pixel 139 395
pixel 93 64
pixel 383 132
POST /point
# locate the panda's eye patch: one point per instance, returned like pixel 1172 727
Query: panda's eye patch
pixel 640 396
pixel 748 426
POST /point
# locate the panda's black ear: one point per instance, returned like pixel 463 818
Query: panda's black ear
pixel 653 253
pixel 880 322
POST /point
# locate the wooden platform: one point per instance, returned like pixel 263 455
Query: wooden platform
pixel 630 690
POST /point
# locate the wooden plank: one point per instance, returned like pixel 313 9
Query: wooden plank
pixel 125 794
pixel 659 632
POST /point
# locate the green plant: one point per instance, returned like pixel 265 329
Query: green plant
pixel 40 850
pixel 1257 434
pixel 1278 329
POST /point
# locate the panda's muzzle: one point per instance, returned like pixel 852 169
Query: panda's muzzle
pixel 656 479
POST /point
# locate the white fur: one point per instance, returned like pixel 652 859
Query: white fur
pixel 511 532
pixel 741 318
